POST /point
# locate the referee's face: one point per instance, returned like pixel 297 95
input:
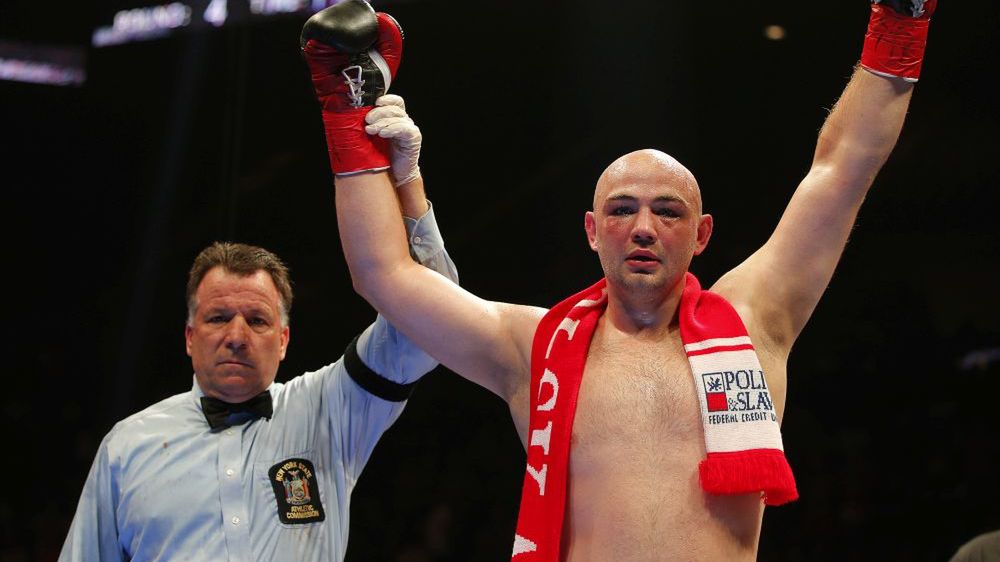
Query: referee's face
pixel 236 338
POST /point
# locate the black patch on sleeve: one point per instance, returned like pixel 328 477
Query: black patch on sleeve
pixel 371 381
pixel 296 491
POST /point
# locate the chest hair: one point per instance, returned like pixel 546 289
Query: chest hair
pixel 635 392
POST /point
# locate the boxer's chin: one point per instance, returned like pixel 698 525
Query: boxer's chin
pixel 641 281
pixel 645 281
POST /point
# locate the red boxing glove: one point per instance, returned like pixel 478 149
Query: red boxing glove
pixel 897 37
pixel 353 54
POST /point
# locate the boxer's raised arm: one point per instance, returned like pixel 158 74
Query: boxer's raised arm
pixel 782 282
pixel 486 342
pixel 353 54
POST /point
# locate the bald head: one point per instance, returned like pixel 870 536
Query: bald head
pixel 647 223
pixel 645 166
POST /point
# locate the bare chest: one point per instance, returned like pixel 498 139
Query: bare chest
pixel 636 443
pixel 636 393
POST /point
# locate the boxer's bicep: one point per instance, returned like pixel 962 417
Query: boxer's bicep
pixel 782 282
pixel 469 335
pixel 787 276
pixel 483 341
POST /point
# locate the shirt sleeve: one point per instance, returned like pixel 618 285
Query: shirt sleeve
pixel 381 347
pixel 427 245
pixel 94 532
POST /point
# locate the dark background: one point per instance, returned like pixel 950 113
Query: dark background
pixel 111 189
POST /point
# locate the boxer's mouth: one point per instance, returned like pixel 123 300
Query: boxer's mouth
pixel 643 256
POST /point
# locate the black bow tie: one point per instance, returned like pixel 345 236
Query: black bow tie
pixel 216 411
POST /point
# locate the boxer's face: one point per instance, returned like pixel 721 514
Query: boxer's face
pixel 647 223
pixel 236 338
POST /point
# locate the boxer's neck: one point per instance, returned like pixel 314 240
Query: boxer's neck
pixel 643 312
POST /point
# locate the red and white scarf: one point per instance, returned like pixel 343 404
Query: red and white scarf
pixel 742 436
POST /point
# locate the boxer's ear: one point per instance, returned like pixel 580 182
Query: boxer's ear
pixel 590 225
pixel 705 224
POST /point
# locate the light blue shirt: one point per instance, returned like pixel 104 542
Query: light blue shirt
pixel 165 487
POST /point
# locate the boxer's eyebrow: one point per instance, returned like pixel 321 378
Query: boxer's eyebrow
pixel 669 199
pixel 657 199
